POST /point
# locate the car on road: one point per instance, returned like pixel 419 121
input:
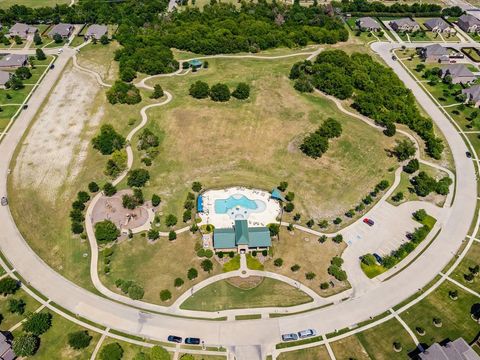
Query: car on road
pixel 4 201
pixel 289 337
pixel 368 221
pixel 25 106
pixel 409 236
pixel 52 66
pixel 192 341
pixel 394 58
pixel 469 154
pixel 378 258
pixel 175 339
pixel 306 333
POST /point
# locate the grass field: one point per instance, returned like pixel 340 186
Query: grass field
pixel 271 124
pixel 469 261
pixel 348 348
pixel 31 3
pixel 10 319
pixel 305 250
pixel 314 353
pixel 223 296
pixel 93 56
pixel 129 350
pixel 455 315
pixel 139 260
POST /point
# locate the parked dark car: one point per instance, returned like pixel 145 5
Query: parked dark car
pixel 4 201
pixel 52 66
pixel 394 58
pixel 368 221
pixel 409 236
pixel 469 154
pixel 378 258
pixel 175 339
pixel 25 106
pixel 192 341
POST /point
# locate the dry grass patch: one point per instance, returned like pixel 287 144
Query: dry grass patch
pixel 94 56
pixel 313 353
pixel 349 348
pixel 305 250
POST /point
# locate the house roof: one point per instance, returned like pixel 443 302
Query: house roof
pixel 454 350
pixel 435 50
pixel 368 22
pixel 13 60
pixel 469 20
pixel 4 77
pixel 457 70
pixel 61 29
pixel 404 21
pixel 195 62
pixel 97 31
pixel 436 22
pixel 241 234
pixel 473 92
pixel 21 28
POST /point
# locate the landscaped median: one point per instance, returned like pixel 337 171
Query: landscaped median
pixel 372 265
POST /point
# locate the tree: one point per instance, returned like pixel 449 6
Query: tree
pixel 127 74
pixel 170 220
pixel 278 262
pixel 104 40
pixel 123 93
pixel 138 177
pixel 220 92
pixel 314 145
pixel 331 128
pixel 77 227
pixel 109 189
pixel 106 231
pixel 23 73
pixel 178 282
pixel 38 323
pixel 37 40
pixel 295 268
pixel 390 129
pixel 93 187
pixel 420 215
pixel 404 149
pixel 14 83
pixel 159 353
pixel 156 200
pixel 112 351
pixel 337 238
pixel 79 339
pixel 398 196
pixel 207 265
pixel 199 90
pixel 165 295
pixel 302 84
pixel 289 207
pixel 57 38
pixel 172 235
pixel 26 345
pixel 157 92
pixel 196 186
pixel 274 229
pixel 18 40
pixel 153 234
pixel 283 186
pixel 310 275
pixel 16 306
pixel 8 286
pixel 412 166
pixel 135 292
pixel 108 140
pixel 40 54
pixel 192 273
pixel 242 91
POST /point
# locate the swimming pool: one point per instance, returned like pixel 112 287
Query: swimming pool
pixel 237 201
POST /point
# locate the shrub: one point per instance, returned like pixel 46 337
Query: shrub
pixel 369 259
pixel 278 262
pixel 156 200
pixel 314 145
pixel 153 234
pixel 296 217
pixel 138 177
pixel 157 92
pixel 106 231
pixel 324 285
pixel 420 215
pixel 172 235
pixel 38 323
pixel 322 239
pixel 26 345
pixel 382 185
pixel 79 339
pixel 109 189
pixel 196 186
pixel 398 196
pixel 220 255
pixel 404 149
pixel 165 295
pixel 199 90
pixel 111 351
pixel 412 166
pixel 77 227
pixel 206 265
pixel 220 92
pixel 350 213
pixel 16 306
pixel 283 186
pixel 310 275
pixel 295 268
pixel 337 238
pixel 135 292
pixel 108 140
pixel 192 274
pixel 289 207
pixel 178 282
pixel 337 272
pixel 93 187
pixel 40 54
pixel 337 221
pixel 331 128
pixel 123 93
pixel 264 252
pixel 254 253
pixel 337 261
pixel 9 286
pixel 323 224
pixel 242 91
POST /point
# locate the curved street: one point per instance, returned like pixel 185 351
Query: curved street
pixel 380 297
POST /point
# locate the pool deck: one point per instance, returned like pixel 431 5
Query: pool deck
pixel 255 219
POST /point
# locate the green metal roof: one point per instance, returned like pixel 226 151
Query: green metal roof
pixel 259 237
pixel 241 232
pixel 277 194
pixel 224 238
pixel 195 62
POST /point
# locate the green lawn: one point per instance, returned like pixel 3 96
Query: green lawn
pixel 372 270
pixel 222 296
pixel 378 341
pixel 455 315
pixel 349 348
pixel 232 264
pixel 206 357
pixel 129 349
pixel 471 259
pixel 313 353
pixel 10 319
pixel 6 114
pixel 253 263
pixel 32 3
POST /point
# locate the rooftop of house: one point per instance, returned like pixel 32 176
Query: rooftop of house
pixel 437 22
pixel 435 50
pixel 4 77
pixel 22 28
pixel 13 60
pixel 97 31
pixel 457 70
pixel 469 19
pixel 241 234
pixel 61 29
pixel 404 21
pixel 454 350
pixel 368 22
pixel 473 92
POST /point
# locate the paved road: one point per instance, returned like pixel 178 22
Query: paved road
pixel 263 332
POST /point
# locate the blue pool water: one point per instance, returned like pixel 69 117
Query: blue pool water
pixel 222 206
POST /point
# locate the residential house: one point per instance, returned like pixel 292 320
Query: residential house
pixel 404 25
pixel 368 24
pixel 6 351
pixel 453 350
pixel 241 237
pixel 468 23
pixel 22 30
pixel 435 53
pixel 64 30
pixel 4 77
pixel 473 95
pixel 96 31
pixel 439 25
pixel 13 61
pixel 459 72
